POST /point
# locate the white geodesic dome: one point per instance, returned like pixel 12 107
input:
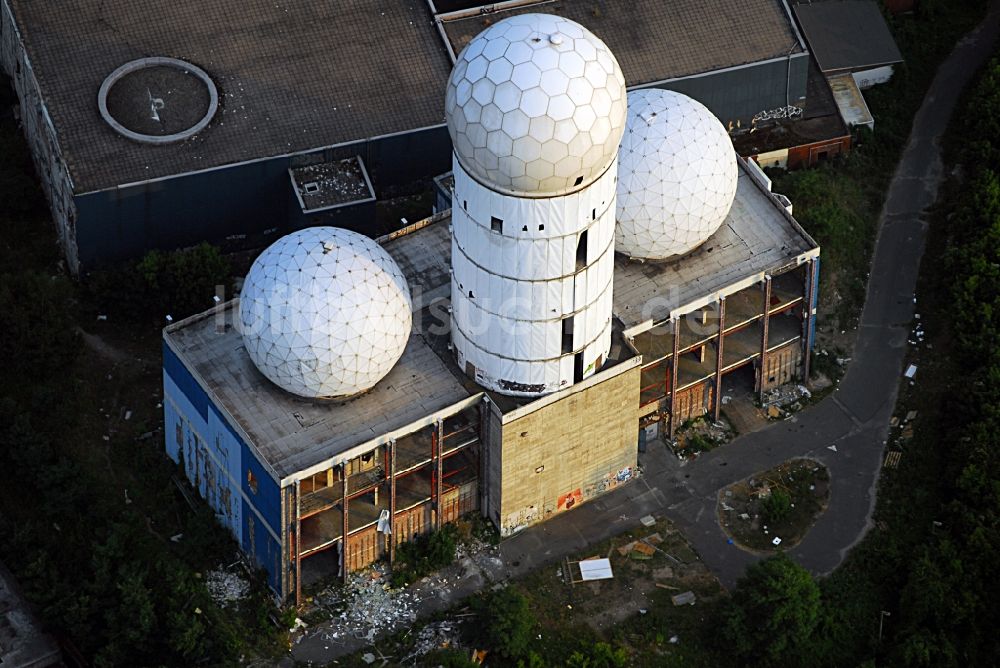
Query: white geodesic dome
pixel 536 106
pixel 325 313
pixel 677 175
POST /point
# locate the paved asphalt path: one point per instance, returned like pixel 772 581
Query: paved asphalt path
pixel 846 431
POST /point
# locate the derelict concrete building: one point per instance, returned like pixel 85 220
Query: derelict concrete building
pixel 291 478
pixel 322 108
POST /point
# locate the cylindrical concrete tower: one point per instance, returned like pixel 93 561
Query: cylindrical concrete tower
pixel 536 109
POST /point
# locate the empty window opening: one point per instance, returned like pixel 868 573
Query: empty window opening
pixel 496 224
pixel 465 204
pixel 581 251
pixel 593 214
pixel 524 228
pixel 541 227
pixel 567 335
pixel 578 181
pixel 578 367
pixel 471 296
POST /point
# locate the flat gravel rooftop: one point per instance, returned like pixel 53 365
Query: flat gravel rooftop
pixel 296 76
pixel 291 75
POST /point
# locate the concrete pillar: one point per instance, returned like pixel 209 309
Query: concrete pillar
pixel 718 359
pixel 438 470
pixel 298 543
pixel 391 537
pixel 674 364
pixel 807 333
pixel 763 336
pixel 346 530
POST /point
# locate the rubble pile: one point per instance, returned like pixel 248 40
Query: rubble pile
pixel 785 399
pixel 370 605
pixel 226 588
pixel 435 636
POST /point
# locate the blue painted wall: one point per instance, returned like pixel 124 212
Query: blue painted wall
pixel 219 464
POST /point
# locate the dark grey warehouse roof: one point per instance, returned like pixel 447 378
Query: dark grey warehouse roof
pixel 655 40
pixel 294 76
pixel 291 75
pixel 847 34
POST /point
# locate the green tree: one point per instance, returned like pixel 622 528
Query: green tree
pixel 774 610
pixel 507 622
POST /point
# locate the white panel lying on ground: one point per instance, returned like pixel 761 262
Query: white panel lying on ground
pixel 596 569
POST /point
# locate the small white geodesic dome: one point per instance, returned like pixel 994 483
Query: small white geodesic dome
pixel 536 106
pixel 677 175
pixel 325 313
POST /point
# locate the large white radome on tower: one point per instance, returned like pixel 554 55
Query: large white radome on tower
pixel 536 106
pixel 677 175
pixel 325 313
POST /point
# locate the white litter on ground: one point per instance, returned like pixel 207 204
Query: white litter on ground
pixel 226 588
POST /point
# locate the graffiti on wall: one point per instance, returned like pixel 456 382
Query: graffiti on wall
pixel 569 499
pixel 518 520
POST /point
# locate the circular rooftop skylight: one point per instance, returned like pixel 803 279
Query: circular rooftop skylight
pixel 676 175
pixel 158 100
pixel 536 106
pixel 325 313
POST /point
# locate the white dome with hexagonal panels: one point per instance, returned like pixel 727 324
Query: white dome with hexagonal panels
pixel 677 175
pixel 325 313
pixel 536 106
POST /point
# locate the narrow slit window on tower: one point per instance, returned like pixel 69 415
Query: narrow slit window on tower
pixel 578 367
pixel 496 224
pixel 567 335
pixel 465 204
pixel 581 251
pixel 593 214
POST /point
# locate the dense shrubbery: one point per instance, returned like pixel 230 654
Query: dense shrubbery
pixel 424 554
pixel 85 521
pixel 776 506
pixel 948 604
pixel 772 615
pixel 179 284
pixel 839 203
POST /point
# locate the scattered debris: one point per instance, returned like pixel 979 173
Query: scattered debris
pixel 776 541
pixel 368 604
pixel 687 598
pixel 648 520
pixel 911 371
pixel 892 459
pixel 226 588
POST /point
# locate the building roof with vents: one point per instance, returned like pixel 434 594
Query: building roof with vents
pixel 297 76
